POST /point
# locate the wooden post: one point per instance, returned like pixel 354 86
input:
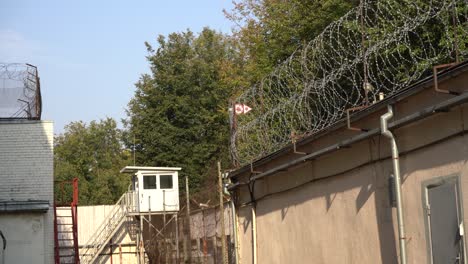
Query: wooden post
pixel 215 249
pixel 221 215
pixel 184 246
pixel 120 253
pixel 111 250
pixel 141 258
pixel 151 243
pixel 188 257
pixel 177 237
pixel 205 247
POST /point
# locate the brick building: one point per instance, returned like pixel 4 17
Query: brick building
pixel 26 191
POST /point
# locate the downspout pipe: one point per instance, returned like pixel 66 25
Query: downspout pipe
pixel 396 171
pixel 254 233
pixel 234 227
pixel 3 247
pixel 234 223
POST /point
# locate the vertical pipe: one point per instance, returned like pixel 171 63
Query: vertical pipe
pixel 254 234
pixel 396 171
pixel 221 215
pixel 234 230
pixel 234 224
pixel 5 244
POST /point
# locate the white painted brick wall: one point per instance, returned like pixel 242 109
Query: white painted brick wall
pixel 26 169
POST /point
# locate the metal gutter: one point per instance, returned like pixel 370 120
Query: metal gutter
pixel 403 94
pixel 37 206
pixel 426 112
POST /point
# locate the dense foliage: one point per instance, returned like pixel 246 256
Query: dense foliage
pixel 94 154
pixel 178 116
pixel 268 31
pixel 179 113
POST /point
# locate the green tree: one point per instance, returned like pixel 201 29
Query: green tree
pixel 178 115
pixel 270 30
pixel 94 154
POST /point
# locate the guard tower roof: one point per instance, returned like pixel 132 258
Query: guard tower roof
pixel 133 169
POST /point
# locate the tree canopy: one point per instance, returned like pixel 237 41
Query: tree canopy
pixel 178 116
pixel 94 154
pixel 268 31
pixel 179 113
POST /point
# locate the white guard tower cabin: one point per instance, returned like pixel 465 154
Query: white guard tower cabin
pixel 155 189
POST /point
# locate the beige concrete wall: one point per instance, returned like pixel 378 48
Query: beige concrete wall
pixel 335 209
pixel 90 219
pixel 24 235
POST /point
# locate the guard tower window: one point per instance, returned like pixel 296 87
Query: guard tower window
pixel 165 181
pixel 149 182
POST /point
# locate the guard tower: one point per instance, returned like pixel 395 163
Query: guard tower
pixel 152 198
pixel 154 190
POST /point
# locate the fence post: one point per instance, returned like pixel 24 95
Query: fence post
pixel 221 215
pixel 188 257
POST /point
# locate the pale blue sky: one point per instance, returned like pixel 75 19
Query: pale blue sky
pixel 91 52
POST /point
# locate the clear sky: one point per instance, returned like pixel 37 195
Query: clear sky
pixel 91 52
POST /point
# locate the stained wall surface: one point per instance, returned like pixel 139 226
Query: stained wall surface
pixel 90 219
pixel 26 174
pixel 336 208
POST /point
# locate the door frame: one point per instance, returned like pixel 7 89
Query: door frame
pixel 437 181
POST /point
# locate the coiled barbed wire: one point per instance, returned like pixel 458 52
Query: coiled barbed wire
pixel 378 47
pixel 19 91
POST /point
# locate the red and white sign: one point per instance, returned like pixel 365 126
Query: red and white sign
pixel 242 109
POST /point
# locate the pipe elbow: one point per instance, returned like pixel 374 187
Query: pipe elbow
pixel 384 122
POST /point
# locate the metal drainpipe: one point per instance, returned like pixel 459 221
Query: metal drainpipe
pixel 254 233
pixel 396 171
pixel 234 223
pixel 3 247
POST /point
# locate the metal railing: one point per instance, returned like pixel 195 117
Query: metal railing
pixel 109 226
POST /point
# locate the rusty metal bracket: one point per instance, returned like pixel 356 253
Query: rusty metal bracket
pixel 293 140
pixel 252 169
pixel 348 119
pixel 436 82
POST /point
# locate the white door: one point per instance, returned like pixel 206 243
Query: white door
pixel 168 192
pixel 148 191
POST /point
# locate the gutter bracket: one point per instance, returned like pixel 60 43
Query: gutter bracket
pixel 348 118
pixel 435 70
pixel 294 140
pixel 252 169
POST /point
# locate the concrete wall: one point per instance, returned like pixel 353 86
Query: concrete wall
pixel 26 159
pixel 90 219
pixel 336 208
pixel 26 173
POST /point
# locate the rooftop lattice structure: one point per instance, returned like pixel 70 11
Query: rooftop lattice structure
pixel 378 48
pixel 20 93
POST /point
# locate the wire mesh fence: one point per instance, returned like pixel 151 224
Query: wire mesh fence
pixel 194 239
pixel 375 50
pixel 20 94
